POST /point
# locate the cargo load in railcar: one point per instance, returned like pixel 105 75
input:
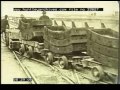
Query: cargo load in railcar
pixel 32 29
pixel 79 37
pixel 65 40
pixel 57 40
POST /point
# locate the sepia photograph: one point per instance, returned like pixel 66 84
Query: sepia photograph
pixel 59 42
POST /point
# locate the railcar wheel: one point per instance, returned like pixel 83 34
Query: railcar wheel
pixel 49 58
pixel 30 52
pixel 97 72
pixel 22 49
pixel 63 62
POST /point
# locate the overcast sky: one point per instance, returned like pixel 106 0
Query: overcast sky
pixel 7 7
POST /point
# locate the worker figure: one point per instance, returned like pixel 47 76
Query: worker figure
pixel 4 26
pixel 22 21
pixel 44 16
pixel 45 20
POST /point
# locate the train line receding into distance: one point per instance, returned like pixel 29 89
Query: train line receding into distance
pixel 54 68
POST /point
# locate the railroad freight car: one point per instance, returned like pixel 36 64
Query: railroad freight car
pixel 32 30
pixel 86 47
pixel 102 45
pixel 65 45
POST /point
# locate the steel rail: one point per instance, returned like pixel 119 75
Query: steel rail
pixel 53 68
pixel 26 70
pixel 78 80
pixel 64 76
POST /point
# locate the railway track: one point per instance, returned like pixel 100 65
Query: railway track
pixel 26 70
pixel 53 68
pixel 75 73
